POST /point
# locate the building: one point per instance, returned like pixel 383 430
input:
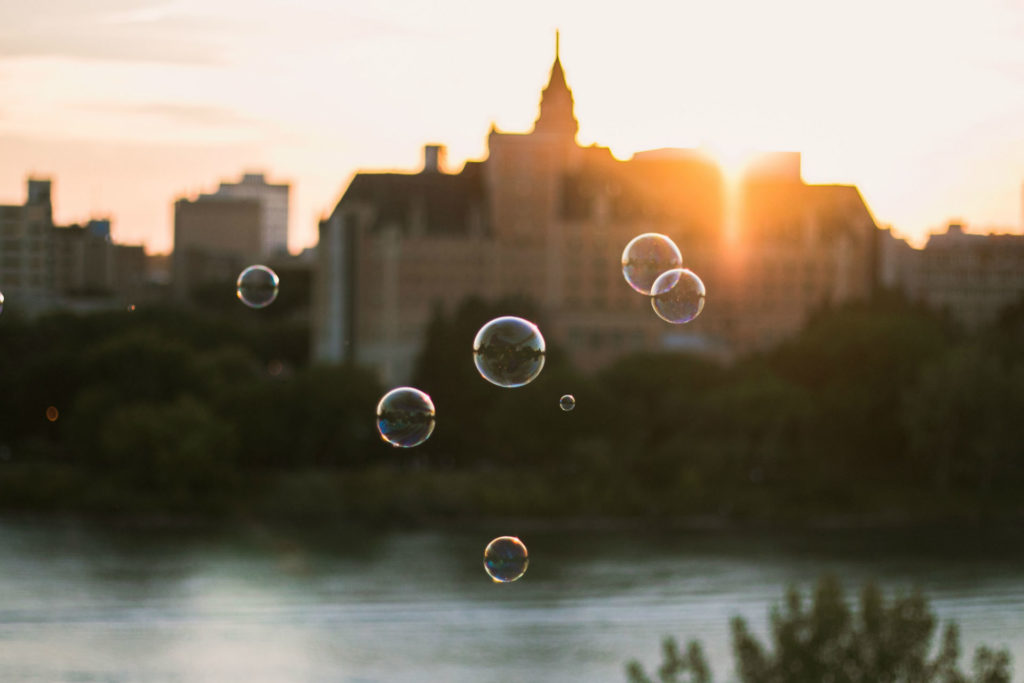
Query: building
pixel 544 217
pixel 971 277
pixel 26 251
pixel 90 269
pixel 83 260
pixel 44 267
pixel 219 234
pixel 214 239
pixel 273 199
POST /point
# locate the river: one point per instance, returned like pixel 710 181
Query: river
pixel 82 603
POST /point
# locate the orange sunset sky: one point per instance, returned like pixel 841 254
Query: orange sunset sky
pixel 128 104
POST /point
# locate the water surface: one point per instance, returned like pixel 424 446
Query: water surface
pixel 80 603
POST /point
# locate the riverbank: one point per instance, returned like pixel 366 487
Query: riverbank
pixel 397 498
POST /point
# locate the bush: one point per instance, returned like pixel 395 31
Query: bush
pixel 885 642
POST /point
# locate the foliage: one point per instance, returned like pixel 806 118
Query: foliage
pixel 176 448
pixel 828 642
pixel 962 418
pixel 676 667
pixel 872 409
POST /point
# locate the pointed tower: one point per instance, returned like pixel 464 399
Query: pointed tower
pixel 556 104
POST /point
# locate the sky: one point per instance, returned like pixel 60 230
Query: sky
pixel 129 104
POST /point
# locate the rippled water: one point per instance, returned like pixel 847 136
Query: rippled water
pixel 84 604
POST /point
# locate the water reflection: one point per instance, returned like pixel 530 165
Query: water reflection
pixel 262 605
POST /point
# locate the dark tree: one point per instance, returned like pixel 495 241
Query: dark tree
pixel 828 642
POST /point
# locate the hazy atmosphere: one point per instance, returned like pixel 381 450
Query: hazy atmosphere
pixel 132 104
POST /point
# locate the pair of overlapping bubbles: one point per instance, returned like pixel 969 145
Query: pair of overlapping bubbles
pixel 653 266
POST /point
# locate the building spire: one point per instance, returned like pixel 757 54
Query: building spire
pixel 556 103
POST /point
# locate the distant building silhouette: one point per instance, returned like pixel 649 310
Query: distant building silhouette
pixel 219 234
pixel 87 264
pixel 273 200
pixel 971 277
pixel 43 266
pixel 26 250
pixel 544 217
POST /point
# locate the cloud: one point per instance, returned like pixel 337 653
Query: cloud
pixel 117 30
pixel 135 50
pixel 185 114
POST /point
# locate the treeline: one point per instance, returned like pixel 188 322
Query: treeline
pixel 880 409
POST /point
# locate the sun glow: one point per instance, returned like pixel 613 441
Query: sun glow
pixel 733 159
pixel 128 109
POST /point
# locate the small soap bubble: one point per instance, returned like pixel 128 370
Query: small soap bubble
pixel 257 286
pixel 646 257
pixel 131 308
pixel 678 296
pixel 505 559
pixel 405 417
pixel 52 414
pixel 1 302
pixel 509 351
pixel 567 402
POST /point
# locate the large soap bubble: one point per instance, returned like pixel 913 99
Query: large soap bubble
pixel 509 351
pixel 646 257
pixel 678 296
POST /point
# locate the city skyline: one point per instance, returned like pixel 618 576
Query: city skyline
pixel 129 105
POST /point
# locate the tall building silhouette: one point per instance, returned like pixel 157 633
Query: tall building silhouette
pixel 544 217
pixel 273 201
pixel 217 235
pixel 26 250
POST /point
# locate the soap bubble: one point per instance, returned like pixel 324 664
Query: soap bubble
pixel 509 351
pixel 1 302
pixel 405 417
pixel 678 296
pixel 646 257
pixel 505 559
pixel 257 286
pixel 567 402
pixel 52 413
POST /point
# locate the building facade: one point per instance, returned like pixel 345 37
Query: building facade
pixel 26 250
pixel 89 266
pixel 544 217
pixel 969 276
pixel 217 235
pixel 273 200
pixel 44 267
